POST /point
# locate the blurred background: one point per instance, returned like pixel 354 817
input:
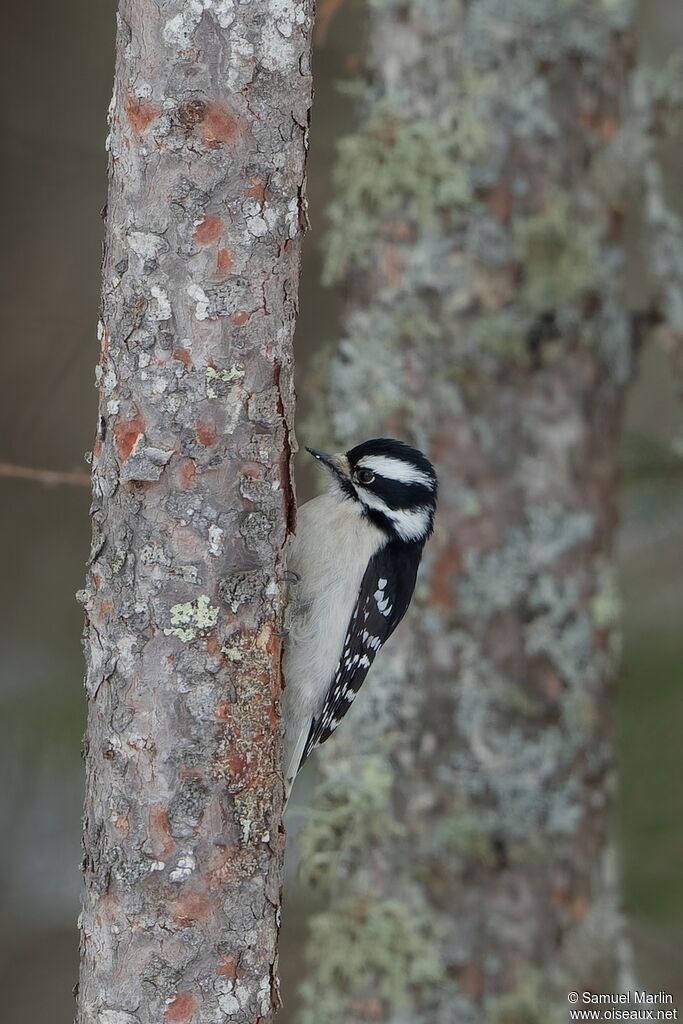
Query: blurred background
pixel 56 73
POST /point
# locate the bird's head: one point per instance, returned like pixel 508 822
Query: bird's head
pixel 394 485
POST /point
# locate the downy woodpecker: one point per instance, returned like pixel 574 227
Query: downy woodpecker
pixel 354 560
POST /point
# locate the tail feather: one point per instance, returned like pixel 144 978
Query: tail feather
pixel 294 752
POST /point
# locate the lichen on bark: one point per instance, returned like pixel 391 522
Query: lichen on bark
pixel 491 329
pixel 193 503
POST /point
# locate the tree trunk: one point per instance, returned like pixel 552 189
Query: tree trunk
pixel 461 827
pixel 193 504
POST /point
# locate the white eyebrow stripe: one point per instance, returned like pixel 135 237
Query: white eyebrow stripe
pixel 396 469
pixel 410 524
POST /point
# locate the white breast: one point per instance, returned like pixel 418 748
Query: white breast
pixel 330 552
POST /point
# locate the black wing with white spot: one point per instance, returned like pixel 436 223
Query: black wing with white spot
pixel 383 600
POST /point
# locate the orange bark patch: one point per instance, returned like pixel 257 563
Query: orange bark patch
pixel 158 828
pixel 221 866
pixel 580 907
pixel 206 433
pixel 224 711
pixel 257 190
pixel 471 981
pixel 269 642
pixel 218 126
pixel 209 230
pixel 181 1008
pixel 187 474
pixel 223 262
pixel 121 824
pixel 190 907
pixel 368 1009
pixel 140 114
pixel 447 566
pixel 602 125
pixel 227 966
pixel 241 318
pixel 273 719
pixel 236 765
pixel 391 265
pixel 101 610
pixel 549 681
pixel 126 433
pixel 499 202
pixel 183 356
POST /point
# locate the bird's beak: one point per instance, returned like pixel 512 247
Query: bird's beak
pixel 337 464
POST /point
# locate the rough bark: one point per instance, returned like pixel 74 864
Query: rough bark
pixel 193 504
pixel 461 828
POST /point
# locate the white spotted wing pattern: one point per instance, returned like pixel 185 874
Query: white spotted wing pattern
pixel 383 600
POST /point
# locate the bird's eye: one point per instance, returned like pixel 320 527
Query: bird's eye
pixel 365 476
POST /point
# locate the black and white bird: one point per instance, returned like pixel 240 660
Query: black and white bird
pixel 354 558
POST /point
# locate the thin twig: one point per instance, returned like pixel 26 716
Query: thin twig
pixel 48 477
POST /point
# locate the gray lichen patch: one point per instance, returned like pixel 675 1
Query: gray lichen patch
pixel 497 579
pixel 191 619
pixel 238 645
pixel 220 382
pixel 256 529
pixel 562 256
pixel 393 168
pixel 352 813
pixel 164 567
pixel 179 29
pixel 261 492
pixel 145 463
pixel 372 948
pixel 213 301
pixel 263 406
pixel 260 448
pixel 241 588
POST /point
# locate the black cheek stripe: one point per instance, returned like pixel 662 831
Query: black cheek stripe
pixel 399 495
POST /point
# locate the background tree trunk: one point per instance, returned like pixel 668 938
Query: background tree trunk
pixel 193 503
pixel 478 224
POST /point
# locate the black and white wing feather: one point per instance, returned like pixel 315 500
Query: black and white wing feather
pixel 383 600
